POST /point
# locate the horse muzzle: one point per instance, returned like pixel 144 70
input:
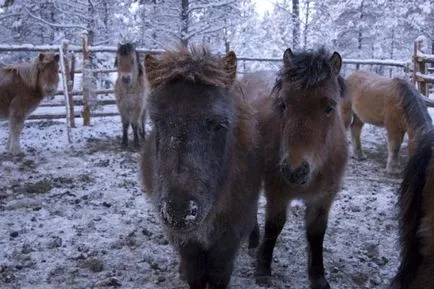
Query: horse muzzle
pixel 297 176
pixel 180 215
pixel 50 91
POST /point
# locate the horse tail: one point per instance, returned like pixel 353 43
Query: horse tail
pixel 346 104
pixel 428 102
pixel 411 214
pixel 414 106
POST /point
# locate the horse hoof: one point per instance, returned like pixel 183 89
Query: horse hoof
pixel 16 152
pixel 359 157
pixel 263 280
pixel 251 252
pixel 393 171
pixel 320 284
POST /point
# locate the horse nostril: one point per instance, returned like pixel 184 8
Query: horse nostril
pixel 192 211
pixel 179 214
pixel 284 168
pixel 126 79
pixel 300 175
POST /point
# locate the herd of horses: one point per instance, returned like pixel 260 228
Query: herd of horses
pixel 218 139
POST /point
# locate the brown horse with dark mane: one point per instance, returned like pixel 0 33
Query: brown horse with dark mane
pixel 200 164
pixel 22 87
pixel 382 101
pixel 304 150
pixel 416 203
pixel 131 90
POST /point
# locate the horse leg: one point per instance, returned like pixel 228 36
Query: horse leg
pixel 316 225
pixel 193 266
pixel 16 125
pixel 394 141
pixel 254 236
pixel 220 262
pixel 356 130
pixel 411 142
pixel 142 128
pixel 274 222
pixel 125 125
pixel 136 134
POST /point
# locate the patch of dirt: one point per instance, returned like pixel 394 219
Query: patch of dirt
pixel 73 216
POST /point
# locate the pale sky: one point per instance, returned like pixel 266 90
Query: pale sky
pixel 263 5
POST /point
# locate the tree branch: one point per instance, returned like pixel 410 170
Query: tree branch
pixel 9 15
pixel 54 25
pixel 210 5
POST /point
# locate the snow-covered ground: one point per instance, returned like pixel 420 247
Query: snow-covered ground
pixel 73 216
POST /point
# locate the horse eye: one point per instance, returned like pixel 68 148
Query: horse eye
pixel 329 109
pixel 214 125
pixel 282 107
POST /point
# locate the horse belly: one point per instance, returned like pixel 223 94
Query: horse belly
pixel 369 109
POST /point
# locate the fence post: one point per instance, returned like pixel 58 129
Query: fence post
pixel 63 60
pixel 415 64
pixel 420 66
pixel 86 82
pixel 69 70
pixel 71 75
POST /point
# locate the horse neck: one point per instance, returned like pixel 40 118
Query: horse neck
pixel 28 73
pixel 415 111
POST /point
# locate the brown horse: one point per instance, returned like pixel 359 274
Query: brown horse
pixel 304 151
pixel 131 90
pixel 22 88
pixel 200 164
pixel 416 203
pixel 382 101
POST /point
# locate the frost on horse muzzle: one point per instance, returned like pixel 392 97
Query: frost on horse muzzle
pixel 50 90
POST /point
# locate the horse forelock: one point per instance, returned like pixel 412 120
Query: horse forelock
pixel 125 49
pixel 194 64
pixel 308 69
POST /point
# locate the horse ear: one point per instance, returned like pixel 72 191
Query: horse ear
pixel 41 57
pixel 151 64
pixel 230 64
pixel 287 57
pixel 56 57
pixel 336 61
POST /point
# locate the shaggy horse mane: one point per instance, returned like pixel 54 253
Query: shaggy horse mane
pixel 194 64
pixel 28 72
pixel 308 69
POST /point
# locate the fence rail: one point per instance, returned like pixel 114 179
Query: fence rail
pixel 420 75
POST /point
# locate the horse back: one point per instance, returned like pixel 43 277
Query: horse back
pixel 15 96
pixel 373 97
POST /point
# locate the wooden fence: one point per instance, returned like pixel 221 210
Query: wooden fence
pixel 68 70
pixel 423 75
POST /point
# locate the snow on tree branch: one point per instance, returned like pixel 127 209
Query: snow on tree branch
pixel 54 25
pixel 210 5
